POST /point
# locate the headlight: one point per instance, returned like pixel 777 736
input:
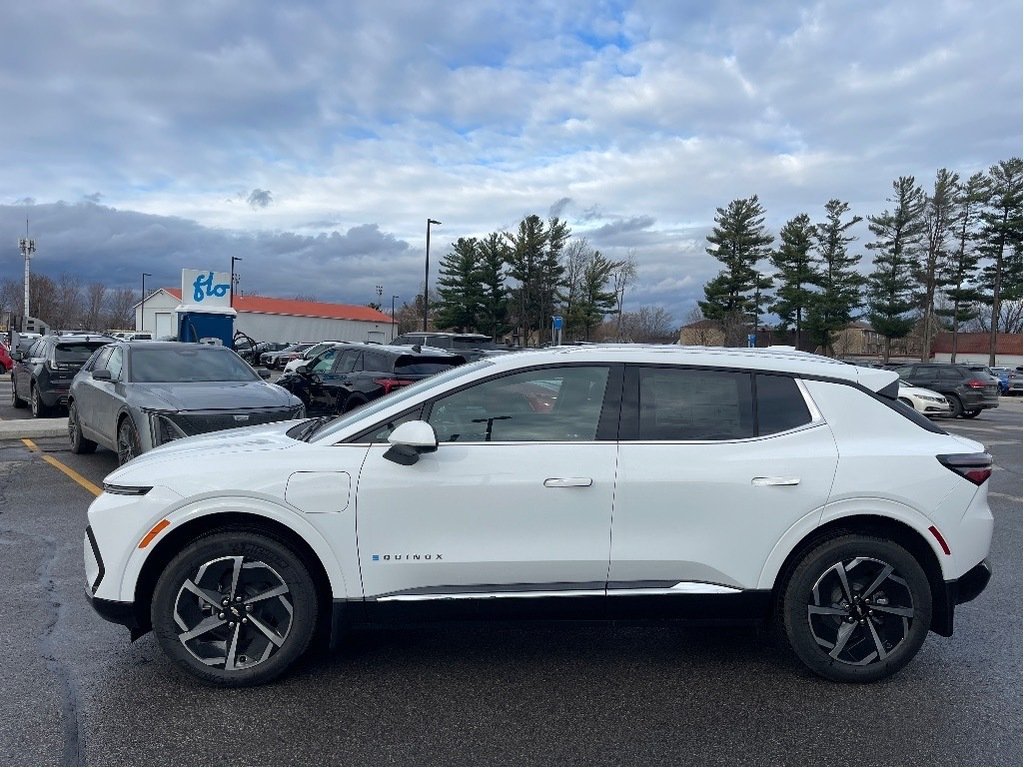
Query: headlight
pixel 163 429
pixel 127 490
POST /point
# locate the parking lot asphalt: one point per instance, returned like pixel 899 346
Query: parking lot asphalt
pixel 78 692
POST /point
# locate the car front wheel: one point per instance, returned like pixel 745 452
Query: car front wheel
pixel 235 608
pixel 956 407
pixel 128 445
pixel 856 608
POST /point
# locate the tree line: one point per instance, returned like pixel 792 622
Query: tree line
pixel 941 260
pixel 66 304
pixel 516 282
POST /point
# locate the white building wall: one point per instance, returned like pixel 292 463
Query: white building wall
pixel 1003 361
pixel 282 328
pixel 161 320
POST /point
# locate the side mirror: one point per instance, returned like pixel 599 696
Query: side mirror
pixel 409 440
pixel 304 368
pixel 102 374
pixel 263 373
pixel 17 355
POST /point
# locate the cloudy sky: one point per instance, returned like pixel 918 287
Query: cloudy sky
pixel 314 139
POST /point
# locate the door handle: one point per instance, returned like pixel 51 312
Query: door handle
pixel 775 481
pixel 568 482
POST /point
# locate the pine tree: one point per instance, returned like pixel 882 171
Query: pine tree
pixel 831 310
pixel 739 240
pixel 960 272
pixel 493 254
pixel 1001 234
pixel 893 286
pixel 534 261
pixel 595 298
pixel 796 273
pixel 939 213
pixel 458 286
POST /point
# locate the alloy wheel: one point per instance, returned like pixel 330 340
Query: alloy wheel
pixel 234 613
pixel 860 611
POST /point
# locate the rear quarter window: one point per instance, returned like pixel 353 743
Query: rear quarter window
pixel 422 365
pixel 780 405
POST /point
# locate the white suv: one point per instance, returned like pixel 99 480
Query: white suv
pixel 614 482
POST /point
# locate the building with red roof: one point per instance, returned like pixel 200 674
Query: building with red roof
pixel 269 319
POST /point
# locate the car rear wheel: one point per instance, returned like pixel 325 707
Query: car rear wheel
pixel 16 402
pixel 79 444
pixel 956 407
pixel 856 608
pixel 235 608
pixel 128 445
pixel 39 408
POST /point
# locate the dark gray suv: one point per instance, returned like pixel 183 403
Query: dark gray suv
pixel 968 392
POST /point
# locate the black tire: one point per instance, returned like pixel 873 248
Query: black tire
pixel 39 408
pixel 269 640
pixel 956 406
pixel 972 413
pixel 890 611
pixel 16 402
pixel 79 444
pixel 128 444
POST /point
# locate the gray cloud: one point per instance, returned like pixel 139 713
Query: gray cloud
pixel 260 198
pixel 558 208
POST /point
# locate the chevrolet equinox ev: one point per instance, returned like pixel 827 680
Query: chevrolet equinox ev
pixel 621 483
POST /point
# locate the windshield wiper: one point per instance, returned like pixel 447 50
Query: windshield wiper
pixel 310 429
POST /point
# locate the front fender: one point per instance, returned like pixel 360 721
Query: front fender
pixel 196 508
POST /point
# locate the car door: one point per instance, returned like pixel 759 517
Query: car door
pixel 329 392
pixel 715 466
pixel 515 502
pixel 319 375
pixel 88 393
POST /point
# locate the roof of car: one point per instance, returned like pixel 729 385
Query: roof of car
pixel 759 359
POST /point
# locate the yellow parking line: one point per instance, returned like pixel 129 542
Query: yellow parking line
pixel 63 468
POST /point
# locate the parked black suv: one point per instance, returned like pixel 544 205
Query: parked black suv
pixel 42 375
pixel 345 376
pixel 471 346
pixel 968 392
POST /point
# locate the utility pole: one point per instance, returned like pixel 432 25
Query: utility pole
pixel 142 308
pixel 426 275
pixel 231 302
pixel 28 247
pixel 394 322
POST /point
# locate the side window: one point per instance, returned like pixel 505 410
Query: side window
pixel 780 406
pixel 115 363
pixel 101 359
pixel 545 405
pixel 690 404
pixel 324 362
pixel 348 361
pixel 923 373
pixel 374 361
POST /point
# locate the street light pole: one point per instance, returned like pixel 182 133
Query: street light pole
pixel 233 260
pixel 426 274
pixel 142 308
pixel 28 247
pixel 394 328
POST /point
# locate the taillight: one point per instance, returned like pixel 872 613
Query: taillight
pixel 977 384
pixel 390 384
pixel 976 467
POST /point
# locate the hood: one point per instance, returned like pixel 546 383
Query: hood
pixel 195 450
pixel 210 395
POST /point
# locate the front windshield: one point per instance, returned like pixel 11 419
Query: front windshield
pixel 188 363
pixel 397 397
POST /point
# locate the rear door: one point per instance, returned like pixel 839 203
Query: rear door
pixel 714 467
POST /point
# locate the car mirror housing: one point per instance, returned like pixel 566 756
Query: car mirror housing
pixel 409 440
pixel 17 355
pixel 102 375
pixel 263 373
pixel 302 368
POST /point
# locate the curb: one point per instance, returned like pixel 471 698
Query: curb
pixel 17 429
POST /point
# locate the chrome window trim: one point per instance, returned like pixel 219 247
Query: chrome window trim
pixel 816 417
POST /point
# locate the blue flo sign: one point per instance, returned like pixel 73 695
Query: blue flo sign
pixel 205 287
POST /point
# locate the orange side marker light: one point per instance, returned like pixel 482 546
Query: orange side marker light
pixel 153 533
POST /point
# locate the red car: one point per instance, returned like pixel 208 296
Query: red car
pixel 5 359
